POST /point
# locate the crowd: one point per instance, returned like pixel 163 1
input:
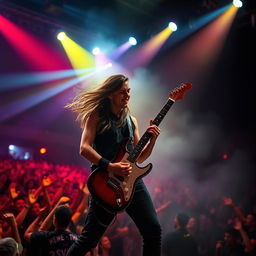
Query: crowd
pixel 43 207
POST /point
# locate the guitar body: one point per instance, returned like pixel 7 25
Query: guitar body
pixel 114 192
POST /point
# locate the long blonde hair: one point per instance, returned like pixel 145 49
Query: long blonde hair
pixel 87 102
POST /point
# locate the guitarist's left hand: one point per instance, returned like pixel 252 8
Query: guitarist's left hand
pixel 153 130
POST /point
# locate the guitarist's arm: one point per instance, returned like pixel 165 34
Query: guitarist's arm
pixel 154 131
pixel 88 152
pixel 88 136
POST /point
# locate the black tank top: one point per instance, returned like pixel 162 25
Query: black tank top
pixel 107 144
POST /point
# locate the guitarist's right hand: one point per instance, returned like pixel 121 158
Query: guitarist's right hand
pixel 120 168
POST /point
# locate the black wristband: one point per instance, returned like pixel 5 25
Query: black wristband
pixel 103 163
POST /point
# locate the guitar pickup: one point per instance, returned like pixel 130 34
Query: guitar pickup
pixel 121 178
pixel 113 183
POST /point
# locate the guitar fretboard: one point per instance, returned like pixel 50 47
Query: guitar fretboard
pixel 146 136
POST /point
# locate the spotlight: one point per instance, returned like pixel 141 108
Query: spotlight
pixel 42 151
pixel 11 147
pixel 225 156
pixel 19 152
pixel 237 3
pixel 109 65
pixel 27 156
pixel 96 51
pixel 132 40
pixel 172 26
pixel 61 36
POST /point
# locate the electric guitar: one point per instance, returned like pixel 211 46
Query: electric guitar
pixel 115 192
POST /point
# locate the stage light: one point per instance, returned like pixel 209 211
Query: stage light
pixel 225 156
pixel 109 65
pixel 96 51
pixel 26 156
pixel 61 36
pixel 42 151
pixel 132 40
pixel 19 152
pixel 173 26
pixel 11 147
pixel 237 3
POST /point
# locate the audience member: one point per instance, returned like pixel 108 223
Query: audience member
pixel 231 245
pixel 9 247
pixel 180 242
pixel 56 242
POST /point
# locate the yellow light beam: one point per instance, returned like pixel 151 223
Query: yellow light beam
pixel 78 56
pixel 149 49
pixel 197 55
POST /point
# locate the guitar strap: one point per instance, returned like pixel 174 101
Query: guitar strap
pixel 129 122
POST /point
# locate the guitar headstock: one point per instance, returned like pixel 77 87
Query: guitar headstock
pixel 178 92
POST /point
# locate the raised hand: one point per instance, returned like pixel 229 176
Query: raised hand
pixel 13 193
pixel 64 200
pixel 9 217
pixel 32 196
pixel 47 181
pixel 227 200
pixel 237 225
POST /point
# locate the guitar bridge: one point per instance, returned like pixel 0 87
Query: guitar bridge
pixel 113 183
pixel 121 178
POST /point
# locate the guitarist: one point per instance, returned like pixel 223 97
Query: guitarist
pixel 103 113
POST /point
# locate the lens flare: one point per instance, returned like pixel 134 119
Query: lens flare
pixel 237 3
pixel 61 36
pixel 132 40
pixel 173 26
pixel 96 51
pixel 42 151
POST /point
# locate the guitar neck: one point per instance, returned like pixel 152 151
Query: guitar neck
pixel 146 136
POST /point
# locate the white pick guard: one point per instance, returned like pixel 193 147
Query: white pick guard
pixel 128 184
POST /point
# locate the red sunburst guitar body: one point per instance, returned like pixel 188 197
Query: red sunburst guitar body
pixel 115 192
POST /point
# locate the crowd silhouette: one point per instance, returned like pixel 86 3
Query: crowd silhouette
pixel 43 207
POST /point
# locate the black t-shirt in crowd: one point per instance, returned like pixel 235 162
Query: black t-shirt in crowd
pixel 52 243
pixel 179 243
pixel 236 250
